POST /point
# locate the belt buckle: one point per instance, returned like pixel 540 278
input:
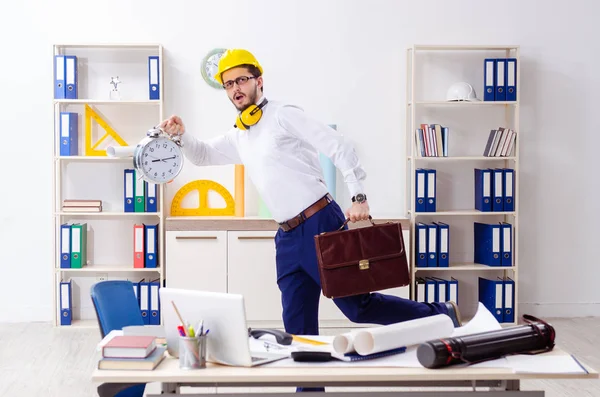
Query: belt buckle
pixel 286 226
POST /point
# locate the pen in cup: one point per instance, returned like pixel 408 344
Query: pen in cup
pixel 178 315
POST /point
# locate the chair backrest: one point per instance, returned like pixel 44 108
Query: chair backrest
pixel 116 305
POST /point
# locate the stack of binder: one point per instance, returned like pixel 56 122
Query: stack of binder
pixel 492 245
pixel 494 189
pixel 500 79
pixel 433 244
pixel 148 298
pixel 498 296
pixel 432 140
pixel 138 195
pixel 435 289
pixel 73 245
pixel 425 190
pixel 145 246
pixel 65 77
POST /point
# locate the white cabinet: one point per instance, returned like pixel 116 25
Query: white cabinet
pixel 252 272
pixel 197 260
pixel 242 262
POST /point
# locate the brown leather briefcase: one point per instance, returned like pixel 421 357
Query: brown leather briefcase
pixel 361 260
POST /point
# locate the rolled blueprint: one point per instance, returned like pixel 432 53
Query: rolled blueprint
pixel 377 339
pixel 120 151
pixel 344 343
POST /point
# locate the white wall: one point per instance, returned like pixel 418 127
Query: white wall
pixel 344 62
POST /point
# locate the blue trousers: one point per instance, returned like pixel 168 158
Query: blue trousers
pixel 300 285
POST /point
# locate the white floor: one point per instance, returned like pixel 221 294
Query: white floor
pixel 40 360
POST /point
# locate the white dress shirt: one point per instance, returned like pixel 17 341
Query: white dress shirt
pixel 281 155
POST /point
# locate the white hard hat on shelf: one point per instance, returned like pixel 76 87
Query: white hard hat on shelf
pixel 461 92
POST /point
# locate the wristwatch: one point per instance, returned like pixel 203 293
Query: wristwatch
pixel 359 198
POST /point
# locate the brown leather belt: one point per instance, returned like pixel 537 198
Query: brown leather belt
pixel 307 213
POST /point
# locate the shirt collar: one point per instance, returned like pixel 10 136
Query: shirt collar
pixel 261 99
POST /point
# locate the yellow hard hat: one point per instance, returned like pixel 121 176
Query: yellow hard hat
pixel 235 57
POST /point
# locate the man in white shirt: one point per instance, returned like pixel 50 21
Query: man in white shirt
pixel 279 146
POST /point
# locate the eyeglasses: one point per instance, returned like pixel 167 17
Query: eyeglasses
pixel 240 81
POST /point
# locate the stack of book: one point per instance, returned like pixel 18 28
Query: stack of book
pixel 82 206
pixel 432 140
pixel 501 143
pixel 131 352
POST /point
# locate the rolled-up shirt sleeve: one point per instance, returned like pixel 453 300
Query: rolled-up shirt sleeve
pixel 328 141
pixel 220 150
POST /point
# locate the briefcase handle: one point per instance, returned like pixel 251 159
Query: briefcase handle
pixel 348 220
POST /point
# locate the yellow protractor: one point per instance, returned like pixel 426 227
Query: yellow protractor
pixel 203 186
pixel 90 147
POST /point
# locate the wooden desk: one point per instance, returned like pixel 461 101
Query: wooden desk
pixel 504 381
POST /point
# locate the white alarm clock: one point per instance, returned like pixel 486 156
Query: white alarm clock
pixel 158 157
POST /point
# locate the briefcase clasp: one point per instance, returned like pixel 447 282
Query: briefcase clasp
pixel 363 264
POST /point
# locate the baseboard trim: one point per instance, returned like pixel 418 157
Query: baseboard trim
pixel 560 309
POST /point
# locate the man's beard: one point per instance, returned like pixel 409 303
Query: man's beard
pixel 252 97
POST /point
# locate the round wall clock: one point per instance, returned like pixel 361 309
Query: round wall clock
pixel 210 65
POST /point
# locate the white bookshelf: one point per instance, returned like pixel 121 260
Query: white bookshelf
pixel 109 232
pixel 431 69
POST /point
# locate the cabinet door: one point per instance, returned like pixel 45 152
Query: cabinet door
pixel 252 273
pixel 196 260
pixel 328 311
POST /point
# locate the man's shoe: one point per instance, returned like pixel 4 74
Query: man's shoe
pixel 453 313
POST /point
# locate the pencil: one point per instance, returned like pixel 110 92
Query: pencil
pixel 185 333
pixel 180 318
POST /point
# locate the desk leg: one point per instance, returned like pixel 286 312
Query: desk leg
pixel 513 385
pixel 170 388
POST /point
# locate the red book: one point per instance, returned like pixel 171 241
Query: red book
pixel 129 347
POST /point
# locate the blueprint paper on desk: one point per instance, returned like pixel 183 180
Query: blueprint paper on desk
pixel 553 362
pixel 481 322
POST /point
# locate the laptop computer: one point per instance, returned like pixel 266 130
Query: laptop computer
pixel 224 316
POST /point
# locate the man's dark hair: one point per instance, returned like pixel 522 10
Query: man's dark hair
pixel 253 70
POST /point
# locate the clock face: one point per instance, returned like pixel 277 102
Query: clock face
pixel 210 66
pixel 161 160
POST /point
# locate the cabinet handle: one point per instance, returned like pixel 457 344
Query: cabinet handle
pixel 195 237
pixel 255 238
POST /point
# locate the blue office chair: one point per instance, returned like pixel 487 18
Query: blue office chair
pixel 116 307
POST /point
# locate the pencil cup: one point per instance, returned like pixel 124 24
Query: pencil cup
pixel 192 352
